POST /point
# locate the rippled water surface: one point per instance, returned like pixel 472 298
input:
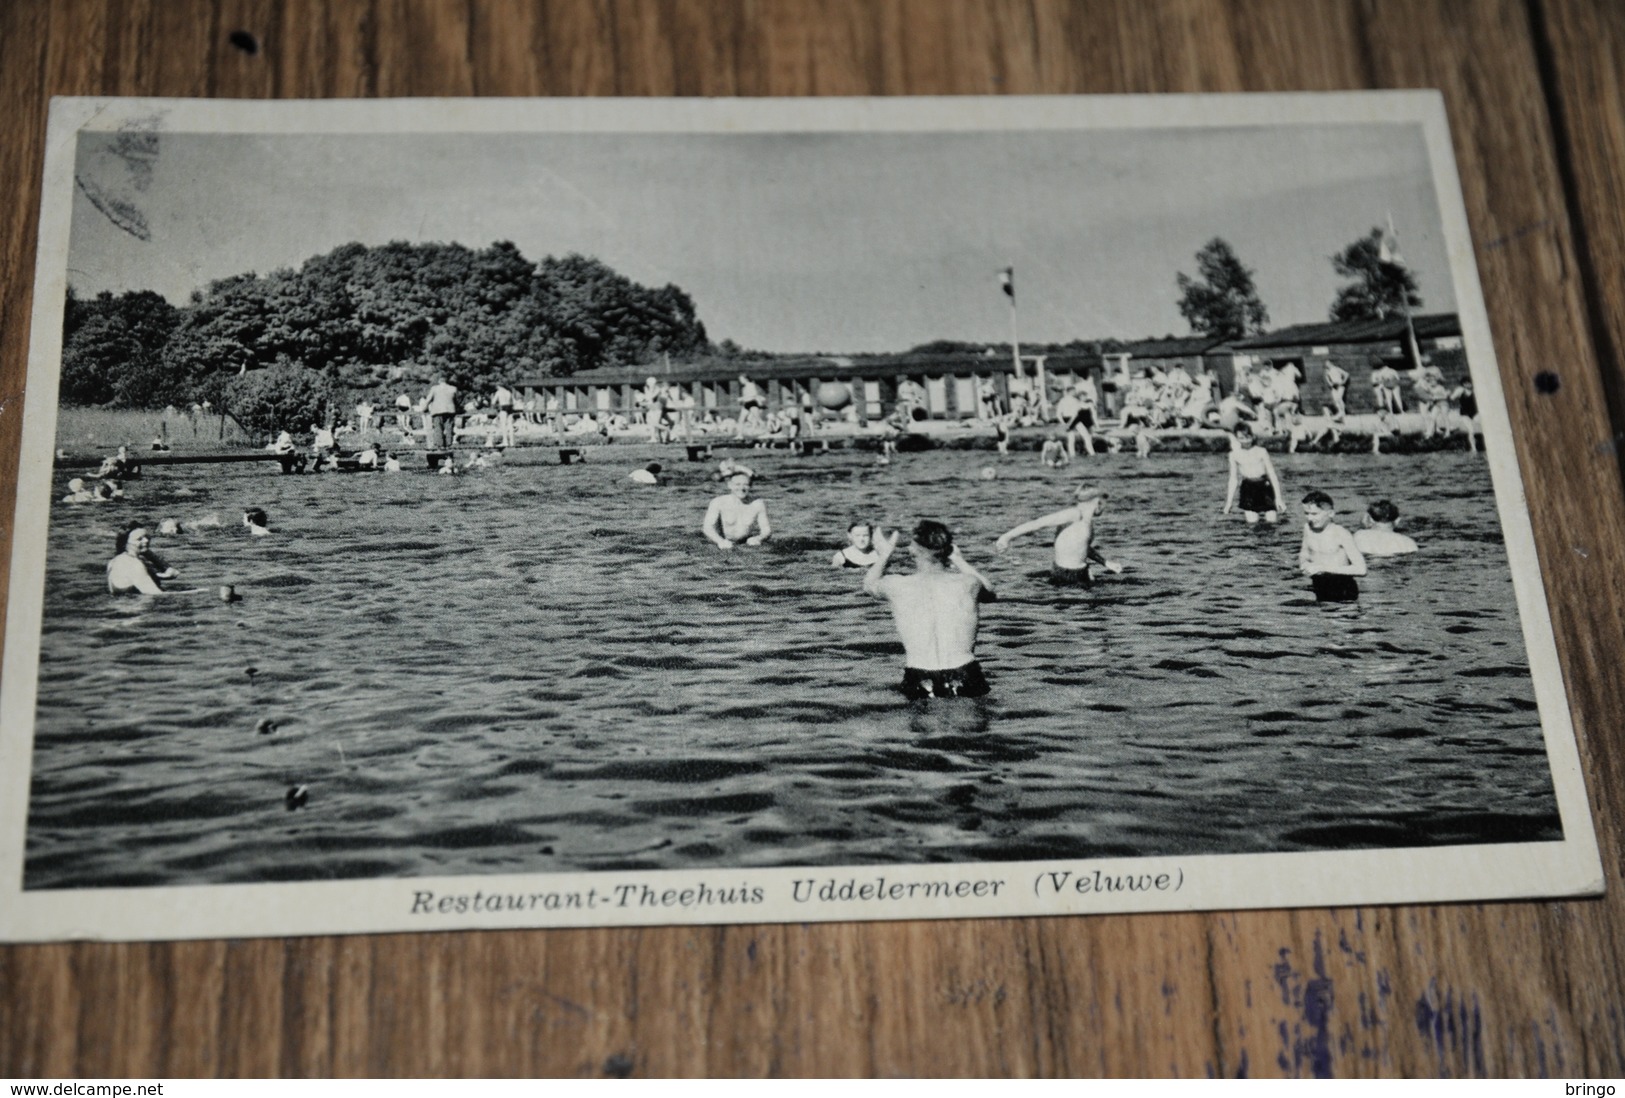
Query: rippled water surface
pixel 537 668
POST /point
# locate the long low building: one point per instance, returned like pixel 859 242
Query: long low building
pixel 952 385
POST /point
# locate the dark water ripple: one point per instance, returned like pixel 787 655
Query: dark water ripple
pixel 541 668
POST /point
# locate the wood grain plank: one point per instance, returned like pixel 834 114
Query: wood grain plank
pixel 1461 990
pixel 1581 48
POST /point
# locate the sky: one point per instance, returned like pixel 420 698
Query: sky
pixel 837 243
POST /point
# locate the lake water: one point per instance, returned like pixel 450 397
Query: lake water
pixel 541 668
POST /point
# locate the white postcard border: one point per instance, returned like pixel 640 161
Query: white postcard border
pixel 958 890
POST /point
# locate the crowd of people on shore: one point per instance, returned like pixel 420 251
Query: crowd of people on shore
pixel 661 411
pixel 1135 409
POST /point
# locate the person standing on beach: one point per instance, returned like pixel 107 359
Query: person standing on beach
pixel 1385 386
pixel 1337 383
pixel 442 411
pixel 1075 544
pixel 1075 411
pixel 936 610
pixel 502 400
pixel 750 404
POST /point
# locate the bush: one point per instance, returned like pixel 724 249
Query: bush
pixel 284 397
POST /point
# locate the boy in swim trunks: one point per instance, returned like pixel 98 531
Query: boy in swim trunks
pixel 1254 474
pixel 859 552
pixel 1075 544
pixel 936 611
pixel 1329 556
pixel 731 518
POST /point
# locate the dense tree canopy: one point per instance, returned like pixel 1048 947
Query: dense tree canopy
pixel 110 341
pixel 1221 301
pixel 1381 287
pixel 365 317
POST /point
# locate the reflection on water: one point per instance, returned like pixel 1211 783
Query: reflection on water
pixel 540 668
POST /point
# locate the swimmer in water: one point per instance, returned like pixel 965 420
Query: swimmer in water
pixel 257 521
pixel 936 610
pixel 1329 556
pixel 649 474
pixel 730 519
pixel 78 493
pixel 1054 453
pixel 1377 537
pixel 859 552
pixel 1252 471
pixel 135 568
pixel 1075 544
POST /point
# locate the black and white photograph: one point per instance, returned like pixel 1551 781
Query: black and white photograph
pixel 603 512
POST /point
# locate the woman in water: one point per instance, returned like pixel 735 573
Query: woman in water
pixel 135 568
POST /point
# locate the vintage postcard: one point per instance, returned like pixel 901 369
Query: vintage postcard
pixel 468 514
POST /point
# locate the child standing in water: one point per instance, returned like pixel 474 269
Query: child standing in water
pixel 1328 556
pixel 1252 472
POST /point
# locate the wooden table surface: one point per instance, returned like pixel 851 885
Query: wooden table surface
pixel 1533 89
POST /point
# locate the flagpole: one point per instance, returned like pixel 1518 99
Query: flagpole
pixel 1404 296
pixel 1015 341
pixel 1009 281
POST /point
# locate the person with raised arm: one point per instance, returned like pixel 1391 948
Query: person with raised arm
pixel 936 610
pixel 1075 544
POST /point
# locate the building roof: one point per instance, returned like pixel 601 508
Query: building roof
pixel 832 367
pixel 1170 348
pixel 1428 326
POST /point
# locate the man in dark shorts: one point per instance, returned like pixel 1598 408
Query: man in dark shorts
pixel 1080 417
pixel 1252 478
pixel 1074 544
pixel 1328 556
pixel 936 610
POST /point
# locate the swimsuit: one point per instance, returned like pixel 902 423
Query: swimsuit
pixel 953 682
pixel 848 562
pixel 1257 495
pixel 1334 587
pixel 1071 577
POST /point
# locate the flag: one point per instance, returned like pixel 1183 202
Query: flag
pixel 1388 246
pixel 1007 281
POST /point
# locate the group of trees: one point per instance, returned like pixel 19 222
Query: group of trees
pixel 1221 300
pixel 360 318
